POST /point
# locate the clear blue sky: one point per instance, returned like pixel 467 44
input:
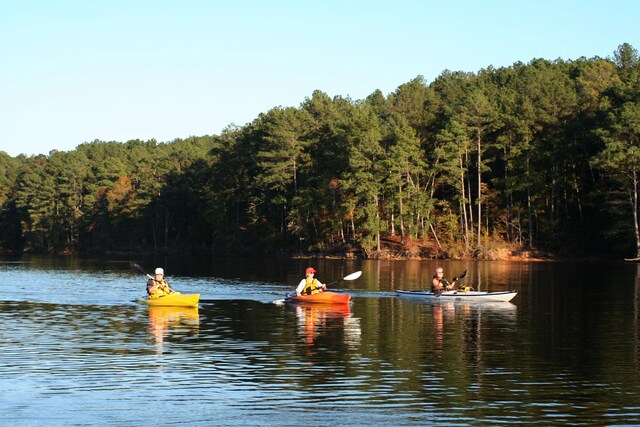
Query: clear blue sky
pixel 115 70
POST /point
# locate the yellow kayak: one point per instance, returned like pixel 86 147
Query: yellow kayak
pixel 175 299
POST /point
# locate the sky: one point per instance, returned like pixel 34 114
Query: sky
pixel 115 70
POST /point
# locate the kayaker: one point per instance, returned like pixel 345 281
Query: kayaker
pixel 439 283
pixel 310 285
pixel 158 286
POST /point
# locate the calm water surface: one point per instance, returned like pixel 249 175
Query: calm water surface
pixel 76 349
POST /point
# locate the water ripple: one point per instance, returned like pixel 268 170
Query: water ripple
pixel 84 360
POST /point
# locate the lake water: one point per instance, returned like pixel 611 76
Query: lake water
pixel 76 349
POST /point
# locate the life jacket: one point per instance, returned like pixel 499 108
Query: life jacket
pixel 312 287
pixel 442 281
pixel 162 290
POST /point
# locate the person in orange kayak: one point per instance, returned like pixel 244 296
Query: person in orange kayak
pixel 157 286
pixel 310 285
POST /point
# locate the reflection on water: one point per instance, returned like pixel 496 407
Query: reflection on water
pixel 319 324
pixel 563 352
pixel 167 321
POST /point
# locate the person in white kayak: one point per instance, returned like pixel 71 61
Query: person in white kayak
pixel 157 286
pixel 439 283
pixel 310 285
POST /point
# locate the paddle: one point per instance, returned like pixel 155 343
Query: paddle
pixel 352 276
pixel 137 267
pixel 455 279
pixel 438 292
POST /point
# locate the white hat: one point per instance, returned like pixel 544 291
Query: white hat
pixel 159 271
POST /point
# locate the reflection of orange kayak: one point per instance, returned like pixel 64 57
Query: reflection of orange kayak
pixel 330 311
pixel 175 299
pixel 321 298
pixel 315 320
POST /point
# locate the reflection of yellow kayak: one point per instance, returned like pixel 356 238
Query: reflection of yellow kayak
pixel 165 320
pixel 175 299
pixel 172 314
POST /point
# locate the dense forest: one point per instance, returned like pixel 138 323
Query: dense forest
pixel 537 156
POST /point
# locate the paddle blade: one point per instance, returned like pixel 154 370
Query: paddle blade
pixel 137 267
pixel 464 273
pixel 353 276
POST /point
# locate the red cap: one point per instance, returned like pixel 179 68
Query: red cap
pixel 311 270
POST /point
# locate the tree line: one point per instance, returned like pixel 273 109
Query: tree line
pixel 539 155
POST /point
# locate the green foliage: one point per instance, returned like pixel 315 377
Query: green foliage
pixel 544 154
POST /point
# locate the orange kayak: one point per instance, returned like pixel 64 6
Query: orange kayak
pixel 327 297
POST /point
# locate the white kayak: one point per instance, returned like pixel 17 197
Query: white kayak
pixel 460 295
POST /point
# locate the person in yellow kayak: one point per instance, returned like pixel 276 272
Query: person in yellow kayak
pixel 157 286
pixel 310 285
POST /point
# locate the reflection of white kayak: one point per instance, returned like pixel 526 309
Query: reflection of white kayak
pixel 460 295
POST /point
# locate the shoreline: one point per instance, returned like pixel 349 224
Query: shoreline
pixel 380 257
pixel 393 248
